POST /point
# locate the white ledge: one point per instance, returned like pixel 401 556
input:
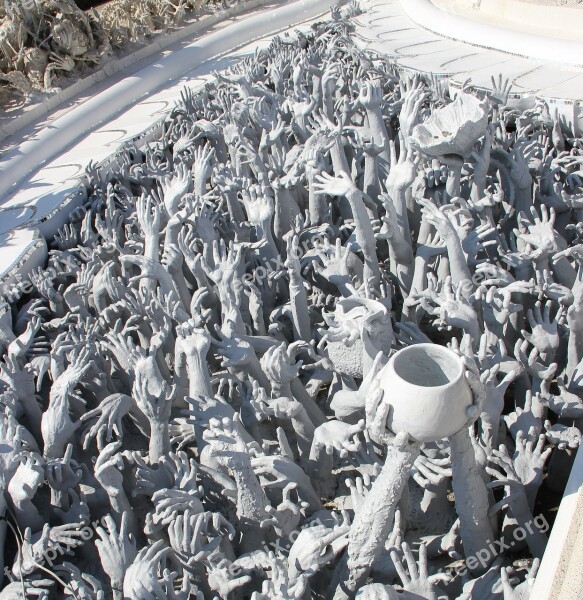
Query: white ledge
pixel 483 35
pixel 560 576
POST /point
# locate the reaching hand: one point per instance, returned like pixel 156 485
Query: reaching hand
pixel 415 578
pixel 334 186
pixel 117 551
pixel 141 577
pixel 316 546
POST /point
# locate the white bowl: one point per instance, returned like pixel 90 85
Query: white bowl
pixel 427 390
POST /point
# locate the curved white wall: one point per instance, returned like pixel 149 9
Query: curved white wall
pixel 486 35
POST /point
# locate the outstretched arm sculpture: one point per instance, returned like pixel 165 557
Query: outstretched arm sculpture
pixel 233 374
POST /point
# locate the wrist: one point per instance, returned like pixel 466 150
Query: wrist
pixel 158 428
pixel 474 330
pixel 114 492
pixel 20 503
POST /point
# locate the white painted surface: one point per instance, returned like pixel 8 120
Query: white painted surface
pixel 23 250
pixel 389 30
pixel 487 35
pixel 428 392
pixel 543 20
pixel 113 66
pixel 65 147
pixel 387 27
pixel 557 547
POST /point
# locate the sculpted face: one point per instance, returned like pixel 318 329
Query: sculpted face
pixel 70 39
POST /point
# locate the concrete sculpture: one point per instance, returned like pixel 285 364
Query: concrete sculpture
pixel 44 41
pixel 232 380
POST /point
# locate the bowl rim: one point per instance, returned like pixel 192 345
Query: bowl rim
pixel 446 351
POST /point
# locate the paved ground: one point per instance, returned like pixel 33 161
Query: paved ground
pixel 386 28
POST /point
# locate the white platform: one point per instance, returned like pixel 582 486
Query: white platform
pixel 422 38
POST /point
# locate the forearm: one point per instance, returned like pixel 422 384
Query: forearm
pixel 575 350
pixel 159 443
pixel 304 429
pixel 564 272
pixel 523 199
pixel 489 428
pixel 299 393
pixel 282 219
pixel 251 503
pixel 460 272
pixel 251 499
pixel 199 381
pixel 60 499
pixel 2 541
pixel 263 231
pixel 328 104
pixel 342 285
pixel 364 233
pixel 471 495
pixel 253 368
pixel 199 186
pixel 7 336
pixel 398 196
pixel 56 430
pixel 471 327
pixel 182 287
pixel 234 206
pixel 120 504
pixel 320 465
pixel 300 128
pixel 371 185
pixel 435 501
pixel 478 186
pixel 531 491
pixel 318 205
pixel 374 521
pixel 152 246
pixel 535 538
pixel 33 413
pixel 453 185
pixel 299 306
pixel 180 283
pixel 181 379
pixel 377 129
pixel 338 156
pixel 27 515
pixel 202 281
pixel 419 282
pixel 373 344
pixel 401 250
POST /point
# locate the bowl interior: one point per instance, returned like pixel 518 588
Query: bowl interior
pixel 426 365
